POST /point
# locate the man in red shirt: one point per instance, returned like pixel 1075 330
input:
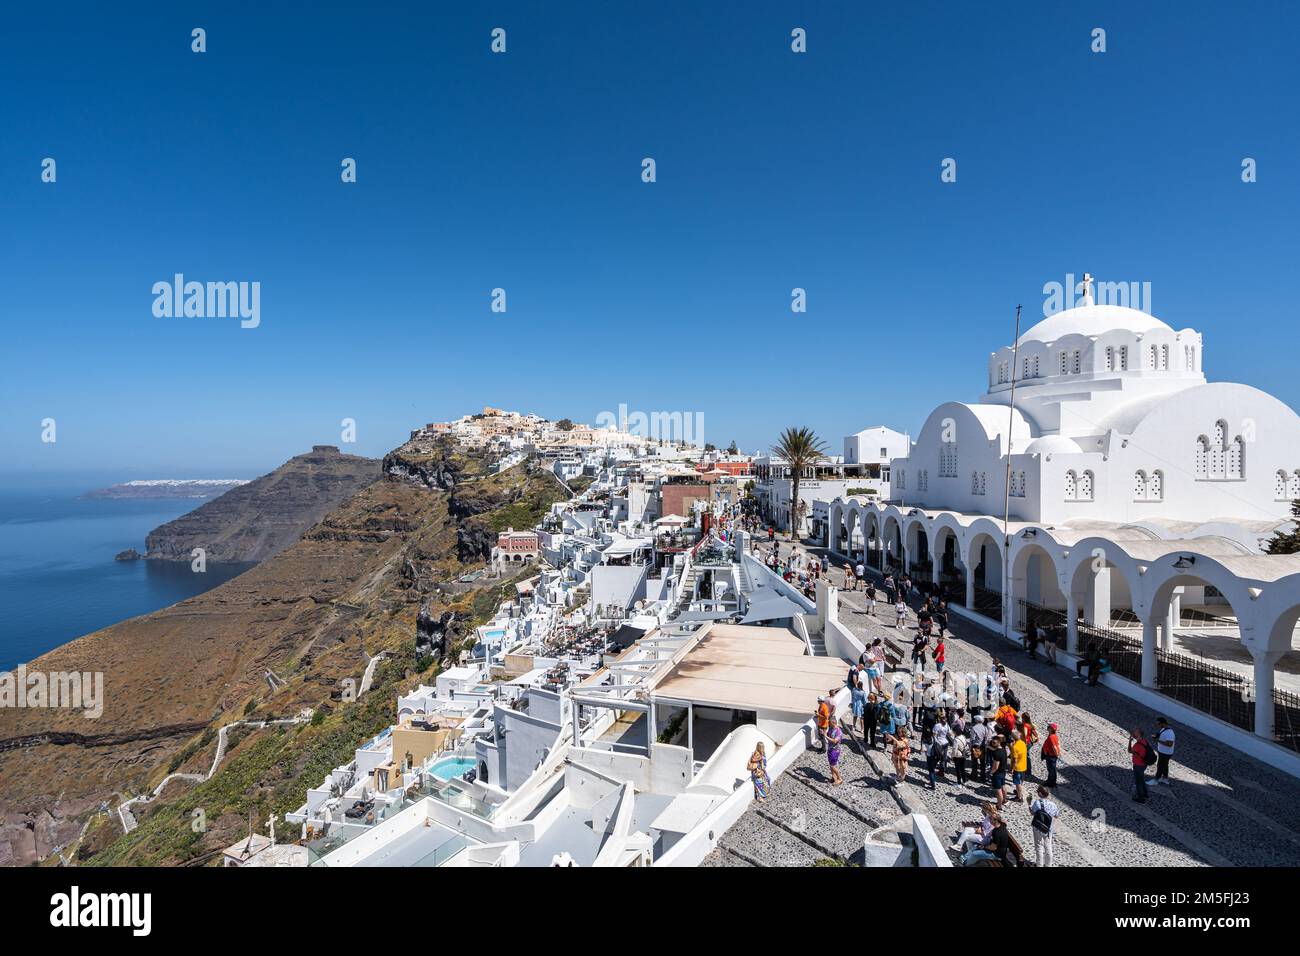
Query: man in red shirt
pixel 1051 753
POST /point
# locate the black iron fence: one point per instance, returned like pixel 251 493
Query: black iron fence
pixel 1213 690
pixel 988 603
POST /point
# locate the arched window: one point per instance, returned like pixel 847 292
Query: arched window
pixel 1085 486
pixel 1123 358
pixel 1281 486
pixel 1077 360
pixel 1152 353
pixel 1110 358
pixel 1237 458
pixel 1035 366
pixel 1025 374
pixel 1156 486
pixel 974 483
pixel 1202 457
pixel 1065 362
pixel 984 482
pixel 1139 485
pixel 1164 357
pixel 1071 486
pixel 1189 357
pixel 1293 485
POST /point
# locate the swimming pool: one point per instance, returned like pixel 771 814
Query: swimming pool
pixel 452 767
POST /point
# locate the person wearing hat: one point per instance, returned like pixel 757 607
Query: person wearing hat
pixel 1051 753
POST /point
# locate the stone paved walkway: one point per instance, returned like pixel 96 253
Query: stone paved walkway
pixel 1224 808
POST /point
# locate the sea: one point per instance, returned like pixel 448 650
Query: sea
pixel 58 576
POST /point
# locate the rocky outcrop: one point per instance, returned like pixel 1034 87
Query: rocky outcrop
pixel 431 631
pixel 474 543
pixel 130 554
pixel 265 516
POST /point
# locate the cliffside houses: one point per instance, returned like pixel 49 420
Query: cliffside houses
pixel 601 715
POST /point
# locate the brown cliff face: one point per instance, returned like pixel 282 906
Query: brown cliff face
pixel 352 586
pixel 252 522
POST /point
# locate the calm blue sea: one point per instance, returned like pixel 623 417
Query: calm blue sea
pixel 58 579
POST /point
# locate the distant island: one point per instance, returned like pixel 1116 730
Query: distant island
pixel 168 488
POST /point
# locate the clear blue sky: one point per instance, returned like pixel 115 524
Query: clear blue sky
pixel 522 171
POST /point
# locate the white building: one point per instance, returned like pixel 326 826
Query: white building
pixel 1113 421
pixel 862 471
pixel 1139 498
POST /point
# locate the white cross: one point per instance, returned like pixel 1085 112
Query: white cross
pixel 1087 288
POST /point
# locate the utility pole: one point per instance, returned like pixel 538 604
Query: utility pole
pixel 1006 488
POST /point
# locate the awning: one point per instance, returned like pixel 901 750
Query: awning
pixel 766 604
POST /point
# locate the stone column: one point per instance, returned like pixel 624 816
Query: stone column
pixel 1263 690
pixel 970 591
pixel 1096 609
pixel 1148 650
pixel 1071 622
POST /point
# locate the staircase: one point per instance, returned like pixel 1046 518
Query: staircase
pixel 818 642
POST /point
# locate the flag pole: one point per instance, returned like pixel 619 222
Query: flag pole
pixel 1006 487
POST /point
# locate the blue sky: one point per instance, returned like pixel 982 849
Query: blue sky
pixel 522 171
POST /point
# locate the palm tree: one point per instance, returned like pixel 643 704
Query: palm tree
pixel 802 449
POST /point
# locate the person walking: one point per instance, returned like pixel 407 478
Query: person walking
pixel 858 701
pixel 758 772
pixel 848 578
pixel 943 740
pixel 1143 755
pixel 1019 761
pixel 823 714
pixel 1165 739
pixel 1043 812
pixel 1051 754
pixel 1030 735
pixel 871 598
pixel 961 752
pixel 941 616
pixel 871 720
pixel 861 571
pixel 834 736
pixel 902 751
pixel 900 612
pixel 939 651
pixel 998 770
pixel 979 742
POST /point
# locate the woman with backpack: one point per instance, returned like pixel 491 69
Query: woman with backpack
pixel 1042 823
pixel 960 751
pixel 1143 756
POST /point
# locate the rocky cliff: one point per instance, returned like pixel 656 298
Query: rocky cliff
pixel 376 575
pixel 253 521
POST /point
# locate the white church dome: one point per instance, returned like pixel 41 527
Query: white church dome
pixel 1052 444
pixel 1092 320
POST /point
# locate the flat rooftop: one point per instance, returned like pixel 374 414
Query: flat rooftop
pixel 751 668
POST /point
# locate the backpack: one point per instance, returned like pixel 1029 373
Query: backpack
pixel 1148 754
pixel 1042 821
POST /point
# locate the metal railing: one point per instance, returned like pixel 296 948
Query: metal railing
pixel 988 603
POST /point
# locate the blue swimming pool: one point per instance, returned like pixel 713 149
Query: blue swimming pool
pixel 452 768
